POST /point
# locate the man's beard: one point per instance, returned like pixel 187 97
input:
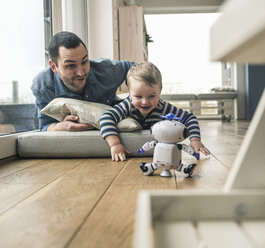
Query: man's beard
pixel 69 83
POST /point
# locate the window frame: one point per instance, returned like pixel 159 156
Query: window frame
pixel 8 144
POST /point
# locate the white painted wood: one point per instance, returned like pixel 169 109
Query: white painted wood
pixel 100 29
pixel 248 171
pixel 143 227
pixel 57 20
pixel 175 234
pixel 220 234
pixel 163 211
pixel 239 34
pixel 8 144
pixel 197 205
pixel 173 6
pixel 74 18
pixel 255 230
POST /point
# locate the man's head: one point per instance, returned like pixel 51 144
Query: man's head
pixel 145 85
pixel 69 58
pixel 63 39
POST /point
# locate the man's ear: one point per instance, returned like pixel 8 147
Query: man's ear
pixel 53 66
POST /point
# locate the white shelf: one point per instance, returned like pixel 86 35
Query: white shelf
pixel 239 34
pixel 197 219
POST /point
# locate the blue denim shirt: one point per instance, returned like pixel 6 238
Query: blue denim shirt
pixel 105 76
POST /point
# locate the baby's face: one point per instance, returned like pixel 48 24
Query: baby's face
pixel 144 97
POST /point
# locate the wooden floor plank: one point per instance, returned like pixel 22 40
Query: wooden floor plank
pixel 111 223
pixel 91 202
pixel 209 175
pixel 21 184
pixel 51 216
pixel 10 166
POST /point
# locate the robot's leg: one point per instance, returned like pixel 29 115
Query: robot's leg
pixel 148 169
pixel 187 170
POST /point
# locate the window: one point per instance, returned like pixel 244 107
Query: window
pixel 22 57
pixel 181 51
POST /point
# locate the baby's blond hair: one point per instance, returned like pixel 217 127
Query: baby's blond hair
pixel 145 72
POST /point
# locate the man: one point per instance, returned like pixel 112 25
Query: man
pixel 72 75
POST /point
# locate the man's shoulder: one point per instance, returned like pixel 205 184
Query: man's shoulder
pixel 43 80
pixel 100 63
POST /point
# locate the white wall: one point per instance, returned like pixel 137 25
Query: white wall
pixel 100 29
pixel 74 14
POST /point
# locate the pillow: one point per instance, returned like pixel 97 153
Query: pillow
pixel 88 112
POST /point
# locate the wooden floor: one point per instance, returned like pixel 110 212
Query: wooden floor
pixel 92 202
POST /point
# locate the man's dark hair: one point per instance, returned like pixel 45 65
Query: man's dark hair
pixel 65 39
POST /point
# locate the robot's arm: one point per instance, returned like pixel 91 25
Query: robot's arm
pixel 190 150
pixel 147 146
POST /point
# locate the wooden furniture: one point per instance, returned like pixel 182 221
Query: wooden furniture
pixel 132 36
pixel 206 105
pixel 195 219
pixel 91 202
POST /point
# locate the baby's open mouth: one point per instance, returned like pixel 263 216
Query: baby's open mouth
pixel 145 107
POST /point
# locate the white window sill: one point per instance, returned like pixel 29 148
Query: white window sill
pixel 8 144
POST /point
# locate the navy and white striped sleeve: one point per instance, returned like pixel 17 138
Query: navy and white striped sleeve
pixel 110 118
pixel 191 122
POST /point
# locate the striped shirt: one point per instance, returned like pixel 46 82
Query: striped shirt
pixel 125 108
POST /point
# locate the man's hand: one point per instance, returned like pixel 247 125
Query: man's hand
pixel 69 123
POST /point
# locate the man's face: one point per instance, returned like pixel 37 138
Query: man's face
pixel 73 67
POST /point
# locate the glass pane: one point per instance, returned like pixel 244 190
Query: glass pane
pixel 23 56
pixel 211 104
pixel 181 104
pixel 209 111
pixel 181 50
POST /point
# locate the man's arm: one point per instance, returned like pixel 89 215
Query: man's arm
pixel 69 124
pixel 121 73
pixel 44 92
pixel 109 120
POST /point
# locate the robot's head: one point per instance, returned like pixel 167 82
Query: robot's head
pixel 169 131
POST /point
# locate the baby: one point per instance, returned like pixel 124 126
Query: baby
pixel 145 105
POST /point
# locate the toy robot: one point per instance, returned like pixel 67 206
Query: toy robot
pixel 167 151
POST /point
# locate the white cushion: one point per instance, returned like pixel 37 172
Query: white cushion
pixel 88 112
pixel 78 144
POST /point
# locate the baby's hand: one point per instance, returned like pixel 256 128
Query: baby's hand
pixel 198 146
pixel 118 152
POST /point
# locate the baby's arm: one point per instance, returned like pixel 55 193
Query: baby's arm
pixel 198 146
pixel 109 131
pixel 117 150
pixel 191 122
